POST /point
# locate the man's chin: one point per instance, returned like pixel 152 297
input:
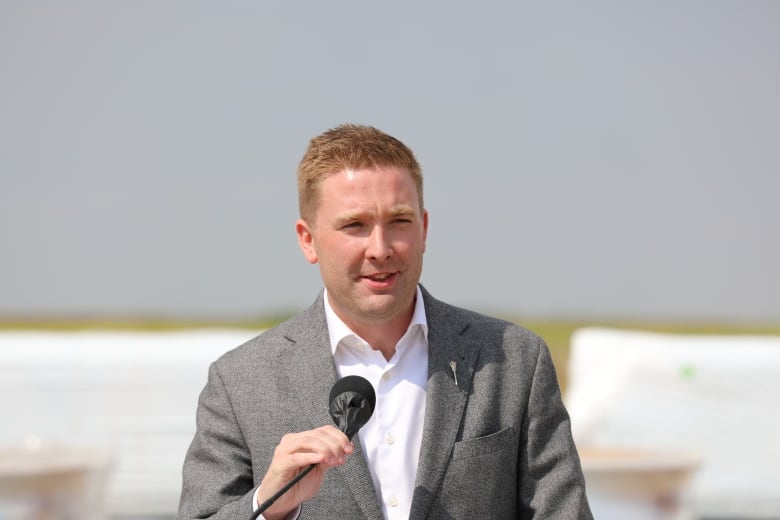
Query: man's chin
pixel 381 306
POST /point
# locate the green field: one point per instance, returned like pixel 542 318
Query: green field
pixel 557 333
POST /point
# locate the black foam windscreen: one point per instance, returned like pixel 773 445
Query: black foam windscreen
pixel 352 401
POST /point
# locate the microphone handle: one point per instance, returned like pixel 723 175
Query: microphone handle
pixel 265 505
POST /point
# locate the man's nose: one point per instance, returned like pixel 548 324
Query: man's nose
pixel 379 247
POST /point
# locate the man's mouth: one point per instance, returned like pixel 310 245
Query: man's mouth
pixel 380 277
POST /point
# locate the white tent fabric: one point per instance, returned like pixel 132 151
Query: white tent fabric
pixel 133 393
pixel 713 397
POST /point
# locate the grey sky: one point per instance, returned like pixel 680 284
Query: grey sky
pixel 610 159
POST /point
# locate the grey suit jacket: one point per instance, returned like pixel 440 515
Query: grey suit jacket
pixel 496 445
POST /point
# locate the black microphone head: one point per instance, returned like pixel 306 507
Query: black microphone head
pixel 352 401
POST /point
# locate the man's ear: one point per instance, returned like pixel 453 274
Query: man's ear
pixel 425 228
pixel 306 240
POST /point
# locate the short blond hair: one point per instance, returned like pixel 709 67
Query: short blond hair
pixel 350 146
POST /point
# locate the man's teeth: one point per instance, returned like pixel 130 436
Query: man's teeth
pixel 380 277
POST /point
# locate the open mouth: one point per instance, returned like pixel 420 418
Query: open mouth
pixel 380 278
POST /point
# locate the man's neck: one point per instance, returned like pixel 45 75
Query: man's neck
pixel 383 335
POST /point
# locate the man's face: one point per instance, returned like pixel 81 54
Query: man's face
pixel 368 236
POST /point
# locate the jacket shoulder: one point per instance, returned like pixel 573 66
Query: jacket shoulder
pixel 267 346
pixel 470 323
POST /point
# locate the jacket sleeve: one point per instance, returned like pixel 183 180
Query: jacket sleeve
pixel 551 480
pixel 217 473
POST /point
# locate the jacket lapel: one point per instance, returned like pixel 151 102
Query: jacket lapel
pixel 450 356
pixel 308 364
pixel 311 374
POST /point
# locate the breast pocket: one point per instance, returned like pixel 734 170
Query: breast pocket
pixel 482 476
pixel 500 441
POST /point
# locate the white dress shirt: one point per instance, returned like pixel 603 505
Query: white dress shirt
pixel 391 438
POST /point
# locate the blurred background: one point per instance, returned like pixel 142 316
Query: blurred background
pixel 603 168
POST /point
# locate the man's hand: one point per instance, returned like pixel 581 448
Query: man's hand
pixel 327 447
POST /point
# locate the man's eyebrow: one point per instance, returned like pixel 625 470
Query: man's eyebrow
pixel 357 215
pixel 351 216
pixel 402 211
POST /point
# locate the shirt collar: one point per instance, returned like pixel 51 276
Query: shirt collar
pixel 338 330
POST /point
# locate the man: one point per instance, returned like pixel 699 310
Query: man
pixel 468 422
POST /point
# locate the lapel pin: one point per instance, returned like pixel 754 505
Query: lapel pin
pixel 454 367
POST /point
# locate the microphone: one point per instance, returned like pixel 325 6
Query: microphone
pixel 352 401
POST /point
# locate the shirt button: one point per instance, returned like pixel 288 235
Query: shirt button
pixel 389 439
pixel 386 376
pixel 393 501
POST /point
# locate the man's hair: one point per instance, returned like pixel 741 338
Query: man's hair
pixel 353 147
